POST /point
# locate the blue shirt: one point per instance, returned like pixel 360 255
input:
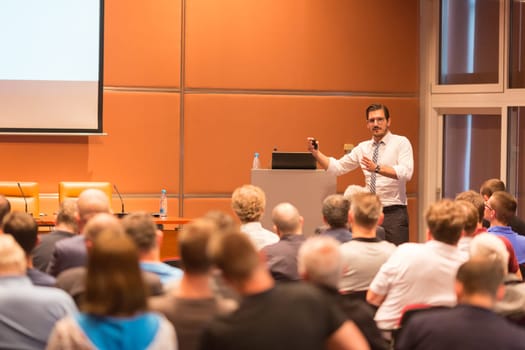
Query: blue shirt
pixel 167 274
pixel 517 241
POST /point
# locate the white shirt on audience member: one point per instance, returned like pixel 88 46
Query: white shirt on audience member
pixel 260 236
pixel 416 273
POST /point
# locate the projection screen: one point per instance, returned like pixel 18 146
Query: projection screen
pixel 51 66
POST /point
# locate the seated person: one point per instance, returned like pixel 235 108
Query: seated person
pixel 421 273
pixel 335 214
pixel 114 310
pixel 27 312
pixel 320 263
pixel 248 203
pixel 73 280
pixel 66 226
pixel 365 253
pixel 143 232
pixel 192 305
pixel 273 316
pixel 471 324
pixel 24 229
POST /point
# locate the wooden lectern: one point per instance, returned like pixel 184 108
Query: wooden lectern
pixel 305 189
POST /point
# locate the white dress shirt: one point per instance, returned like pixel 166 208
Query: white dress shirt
pixel 395 151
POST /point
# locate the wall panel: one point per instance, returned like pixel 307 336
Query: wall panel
pixel 302 45
pixel 142 43
pixel 223 131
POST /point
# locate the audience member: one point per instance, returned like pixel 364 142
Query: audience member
pixel 223 221
pixel 471 226
pixel 499 208
pixel 114 312
pixel 364 254
pixel 476 199
pixel 282 256
pixel 320 263
pixel 248 203
pixel 73 280
pixel 193 305
pixel 66 226
pixel 71 252
pixel 27 312
pixel 24 229
pixel 148 239
pixel 5 207
pixel 487 189
pixel 335 215
pixel 349 193
pixel 283 316
pixel 471 324
pixel 421 272
pixel 512 304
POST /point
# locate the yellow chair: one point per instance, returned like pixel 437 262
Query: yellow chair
pixel 17 191
pixel 69 189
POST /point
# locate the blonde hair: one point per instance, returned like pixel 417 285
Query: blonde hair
pixel 490 247
pixel 446 220
pixel 248 202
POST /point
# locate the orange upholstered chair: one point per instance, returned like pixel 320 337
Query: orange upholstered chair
pixel 69 189
pixel 16 191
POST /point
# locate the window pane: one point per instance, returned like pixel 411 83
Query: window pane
pixel 516 159
pixel 471 152
pixel 517 45
pixel 469 42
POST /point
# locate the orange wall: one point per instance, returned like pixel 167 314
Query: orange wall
pixel 193 88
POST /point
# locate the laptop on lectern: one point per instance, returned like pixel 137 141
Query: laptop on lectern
pixel 293 160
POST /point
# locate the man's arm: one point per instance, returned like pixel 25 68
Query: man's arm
pixel 374 298
pixel 384 170
pixel 347 337
pixel 323 160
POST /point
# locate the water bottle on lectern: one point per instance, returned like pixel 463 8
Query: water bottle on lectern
pixel 256 161
pixel 163 204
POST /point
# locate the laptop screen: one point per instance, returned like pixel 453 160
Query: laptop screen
pixel 293 160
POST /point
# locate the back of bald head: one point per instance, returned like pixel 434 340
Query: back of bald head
pixel 90 202
pixel 286 218
pixel 102 222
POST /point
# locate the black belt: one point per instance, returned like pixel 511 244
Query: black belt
pixel 393 207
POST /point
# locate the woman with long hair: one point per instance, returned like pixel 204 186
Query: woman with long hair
pixel 114 308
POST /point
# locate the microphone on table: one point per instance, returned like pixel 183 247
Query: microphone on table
pixel 23 196
pixel 122 212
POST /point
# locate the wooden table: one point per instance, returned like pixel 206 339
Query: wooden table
pixel 170 220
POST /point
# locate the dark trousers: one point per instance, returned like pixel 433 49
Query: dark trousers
pixel 396 223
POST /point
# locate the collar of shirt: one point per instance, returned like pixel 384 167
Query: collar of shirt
pixel 384 140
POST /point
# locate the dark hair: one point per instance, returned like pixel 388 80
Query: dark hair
pixel 23 228
pixel 377 107
pixel 114 284
pixel 141 229
pixel 504 204
pixel 5 207
pixel 234 254
pixel 490 186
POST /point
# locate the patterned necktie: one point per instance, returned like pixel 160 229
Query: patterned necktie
pixel 373 175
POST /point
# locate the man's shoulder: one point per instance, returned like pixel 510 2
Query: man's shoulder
pixel 75 241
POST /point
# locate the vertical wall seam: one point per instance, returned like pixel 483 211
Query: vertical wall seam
pixel 181 105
